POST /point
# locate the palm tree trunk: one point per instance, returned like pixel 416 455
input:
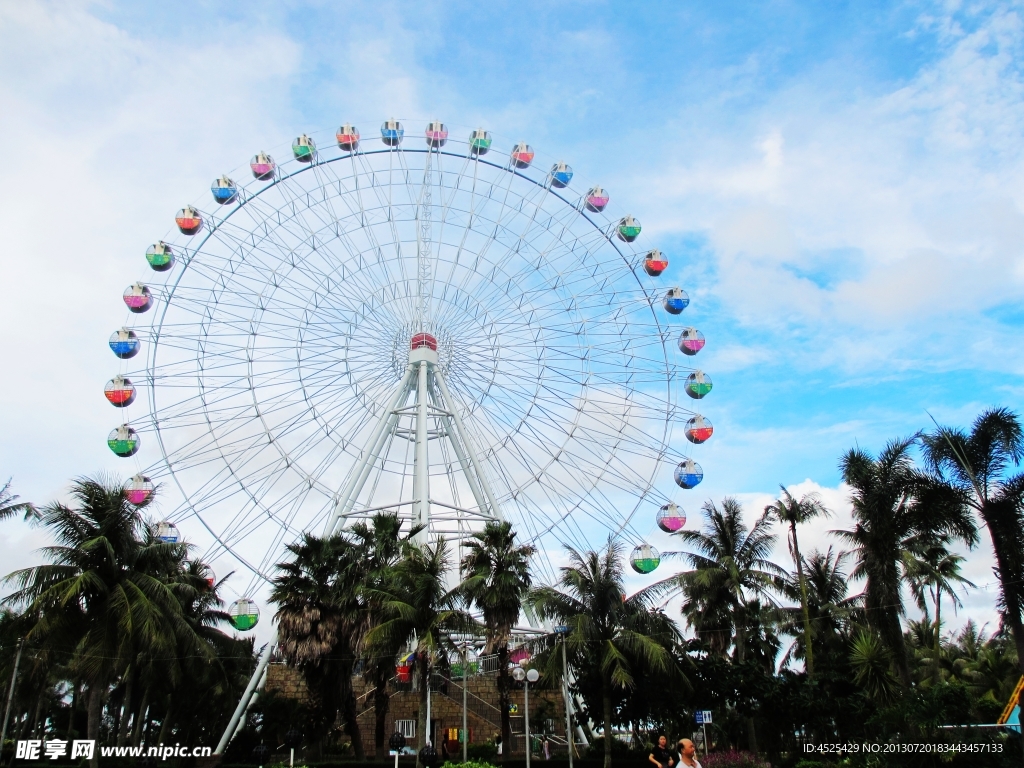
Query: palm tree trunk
pixel 126 709
pixel 74 709
pixel 140 716
pixel 504 700
pixel 165 724
pixel 349 717
pixel 741 656
pixel 938 630
pixel 1009 577
pixel 95 706
pixel 606 701
pixel 808 644
pixel 422 724
pixel 381 702
pixel 37 729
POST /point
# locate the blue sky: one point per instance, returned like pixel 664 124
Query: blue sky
pixel 838 184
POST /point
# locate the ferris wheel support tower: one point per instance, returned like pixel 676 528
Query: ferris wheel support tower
pixel 421 395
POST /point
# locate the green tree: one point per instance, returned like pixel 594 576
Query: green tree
pixel 979 465
pixel 416 606
pixel 95 596
pixel 931 570
pixel 730 567
pixel 893 505
pixel 318 617
pixel 10 506
pixel 792 512
pixel 380 546
pixel 496 579
pixel 833 612
pixel 606 628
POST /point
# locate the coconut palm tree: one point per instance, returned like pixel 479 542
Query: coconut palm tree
pixel 791 512
pixel 729 569
pixel 318 617
pixel 931 570
pixel 417 607
pixel 380 546
pixel 10 506
pixel 496 579
pixel 96 596
pixel 894 504
pixel 607 628
pixel 981 465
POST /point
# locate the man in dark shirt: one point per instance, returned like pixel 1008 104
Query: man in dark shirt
pixel 660 755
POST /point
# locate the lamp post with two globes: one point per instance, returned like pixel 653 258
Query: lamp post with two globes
pixel 526 677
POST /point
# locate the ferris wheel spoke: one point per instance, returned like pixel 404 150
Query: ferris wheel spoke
pixel 285 331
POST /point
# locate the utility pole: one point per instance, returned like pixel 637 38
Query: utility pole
pixel 10 692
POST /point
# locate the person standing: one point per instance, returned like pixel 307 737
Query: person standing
pixel 660 756
pixel 688 754
pixel 546 744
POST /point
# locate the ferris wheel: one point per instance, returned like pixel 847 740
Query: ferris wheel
pixel 419 323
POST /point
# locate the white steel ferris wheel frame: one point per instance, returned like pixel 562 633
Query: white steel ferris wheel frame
pixel 640 487
pixel 430 407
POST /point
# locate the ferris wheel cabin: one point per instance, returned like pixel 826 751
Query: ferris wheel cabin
pixel 392 132
pixel 262 166
pixel 596 199
pixel 522 155
pixel 138 298
pixel 348 138
pixel 189 220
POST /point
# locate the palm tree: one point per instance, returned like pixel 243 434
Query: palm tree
pixel 496 573
pixel 10 506
pixel 380 546
pixel 978 464
pixel 416 606
pixel 317 617
pixel 730 568
pixel 606 627
pixel 893 505
pixel 833 613
pixel 931 570
pixel 94 596
pixel 791 512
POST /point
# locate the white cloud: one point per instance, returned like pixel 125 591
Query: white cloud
pixel 914 189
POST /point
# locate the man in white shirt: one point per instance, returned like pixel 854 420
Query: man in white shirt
pixel 688 754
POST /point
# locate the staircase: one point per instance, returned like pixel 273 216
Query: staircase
pixel 480 708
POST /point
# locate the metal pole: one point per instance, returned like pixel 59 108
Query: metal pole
pixel 565 696
pixel 428 739
pixel 465 683
pixel 704 727
pixel 421 482
pixel 357 477
pixel 243 703
pixel 449 404
pixel 526 705
pixel 10 692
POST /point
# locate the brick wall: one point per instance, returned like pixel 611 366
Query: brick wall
pixel 446 705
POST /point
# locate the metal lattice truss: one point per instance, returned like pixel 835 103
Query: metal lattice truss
pixel 283 396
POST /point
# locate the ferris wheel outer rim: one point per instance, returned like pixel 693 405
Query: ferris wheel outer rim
pixel 214 224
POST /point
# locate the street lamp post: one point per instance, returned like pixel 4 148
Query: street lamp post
pixel 563 633
pixel 526 677
pixel 465 684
